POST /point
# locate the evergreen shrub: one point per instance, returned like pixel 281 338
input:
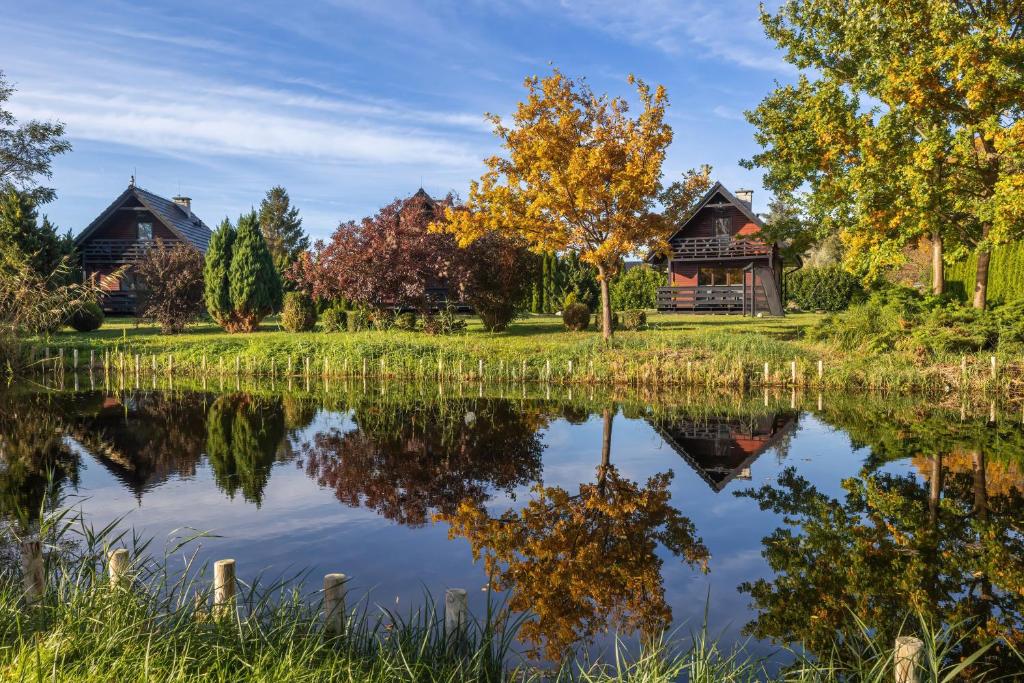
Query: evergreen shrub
pixel 576 317
pixel 299 313
pixel 87 318
pixel 829 288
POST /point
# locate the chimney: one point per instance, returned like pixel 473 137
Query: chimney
pixel 184 202
pixel 745 196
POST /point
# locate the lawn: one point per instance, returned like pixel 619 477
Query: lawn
pixel 704 350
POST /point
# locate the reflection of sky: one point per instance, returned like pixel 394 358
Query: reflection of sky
pixel 300 525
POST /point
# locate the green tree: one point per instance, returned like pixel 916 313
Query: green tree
pixel 215 275
pixel 20 227
pixel 282 229
pixel 906 124
pixel 254 285
pixel 637 288
pixel 27 150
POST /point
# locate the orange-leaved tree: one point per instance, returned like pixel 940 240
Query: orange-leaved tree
pixel 579 174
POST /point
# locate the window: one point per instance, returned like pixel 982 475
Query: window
pixel 722 224
pixel 719 276
pixel 145 230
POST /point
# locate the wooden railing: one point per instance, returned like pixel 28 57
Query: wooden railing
pixel 708 298
pixel 115 252
pixel 715 248
pixel 119 301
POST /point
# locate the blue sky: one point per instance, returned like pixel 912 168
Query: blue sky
pixel 351 104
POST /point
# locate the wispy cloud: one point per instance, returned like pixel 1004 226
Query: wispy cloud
pixel 727 113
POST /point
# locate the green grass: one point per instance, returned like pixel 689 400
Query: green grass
pixel 702 350
pixel 159 626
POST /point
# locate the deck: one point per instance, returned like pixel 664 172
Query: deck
pixel 718 249
pixel 115 253
pixel 709 299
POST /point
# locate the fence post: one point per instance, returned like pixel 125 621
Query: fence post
pixel 75 361
pixel 117 566
pixel 767 372
pixel 821 369
pixel 456 613
pixel 334 604
pixel 33 577
pixel 92 358
pixel 792 371
pixel 223 587
pixel 993 359
pixel 906 658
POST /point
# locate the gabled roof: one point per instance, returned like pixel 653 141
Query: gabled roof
pixel 719 189
pixel 185 225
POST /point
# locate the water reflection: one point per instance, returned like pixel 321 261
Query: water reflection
pixel 548 496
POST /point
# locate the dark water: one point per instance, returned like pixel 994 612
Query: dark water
pixel 783 517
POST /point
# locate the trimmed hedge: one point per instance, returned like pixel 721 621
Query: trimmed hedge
pixel 576 317
pixel 634 320
pixel 830 288
pixel 299 313
pixel 1005 275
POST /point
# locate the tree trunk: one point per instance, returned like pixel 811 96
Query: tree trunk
pixel 938 267
pixel 606 450
pixel 981 278
pixel 980 484
pixel 606 305
pixel 935 494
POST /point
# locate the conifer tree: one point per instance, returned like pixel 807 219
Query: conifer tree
pixel 215 275
pixel 254 286
pixel 282 229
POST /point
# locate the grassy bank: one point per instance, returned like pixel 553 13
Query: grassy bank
pixel 707 351
pixel 155 624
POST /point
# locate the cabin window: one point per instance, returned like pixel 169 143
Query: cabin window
pixel 719 276
pixel 145 230
pixel 722 224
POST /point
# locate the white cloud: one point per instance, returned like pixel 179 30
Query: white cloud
pixel 721 30
pixel 727 113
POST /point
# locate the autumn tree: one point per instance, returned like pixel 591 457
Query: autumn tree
pixel 282 230
pixel 495 273
pixel 579 174
pixel 170 279
pixel 389 260
pixel 906 123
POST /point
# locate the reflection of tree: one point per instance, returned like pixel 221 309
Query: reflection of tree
pixel 33 454
pixel 244 433
pixel 891 546
pixel 580 564
pixel 405 461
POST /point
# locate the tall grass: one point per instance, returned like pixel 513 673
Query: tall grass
pixel 160 628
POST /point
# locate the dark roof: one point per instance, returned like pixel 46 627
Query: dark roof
pixel 186 225
pixel 719 189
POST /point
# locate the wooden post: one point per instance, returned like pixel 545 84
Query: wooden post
pixel 289 366
pixel 456 613
pixel 364 368
pixel 117 566
pixel 480 368
pixel 74 362
pixel 327 367
pixel 238 363
pixel 33 575
pixel 137 362
pixel 547 369
pixel 993 359
pixel 334 604
pixel 307 366
pixel 570 368
pixel 92 358
pixel 170 364
pixel 821 369
pixel 907 658
pixel 153 359
pixel 204 363
pixel 792 371
pixel 767 373
pixel 223 586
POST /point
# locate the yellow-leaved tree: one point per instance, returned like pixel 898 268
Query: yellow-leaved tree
pixel 579 174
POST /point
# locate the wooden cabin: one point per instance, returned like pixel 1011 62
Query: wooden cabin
pixel 717 262
pixel 721 449
pixel 121 234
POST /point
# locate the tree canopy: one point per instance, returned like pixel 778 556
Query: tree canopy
pixel 905 123
pixel 27 150
pixel 281 226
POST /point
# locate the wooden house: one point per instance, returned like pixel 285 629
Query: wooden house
pixel 720 449
pixel 121 234
pixel 718 263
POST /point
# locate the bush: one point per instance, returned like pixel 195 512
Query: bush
pixel 634 319
pixel 576 317
pixel 829 288
pixel 87 318
pixel 636 288
pixel 299 313
pixel 444 321
pixel 170 278
pixel 334 319
pixel 405 321
pixel 358 320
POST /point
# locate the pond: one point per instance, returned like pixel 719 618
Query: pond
pixel 779 518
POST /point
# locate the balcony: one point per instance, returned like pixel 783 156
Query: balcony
pixel 115 252
pixel 718 248
pixel 710 299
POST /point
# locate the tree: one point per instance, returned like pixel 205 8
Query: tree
pixel 170 278
pixel 389 260
pixel 937 153
pixel 282 229
pixel 241 285
pixel 27 150
pixel 215 275
pixel 38 242
pixel 636 288
pixel 580 175
pixel 680 198
pixel 243 436
pixel 495 274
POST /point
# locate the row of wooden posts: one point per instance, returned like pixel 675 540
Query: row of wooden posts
pixel 907 654
pixel 119 363
pixel 456 601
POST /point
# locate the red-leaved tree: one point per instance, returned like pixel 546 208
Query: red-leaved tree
pixel 389 260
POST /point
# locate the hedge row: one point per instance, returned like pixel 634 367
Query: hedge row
pixel 1005 274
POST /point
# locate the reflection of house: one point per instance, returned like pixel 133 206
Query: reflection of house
pixel 122 233
pixel 723 449
pixel 718 261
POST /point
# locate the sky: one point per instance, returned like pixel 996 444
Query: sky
pixel 351 104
